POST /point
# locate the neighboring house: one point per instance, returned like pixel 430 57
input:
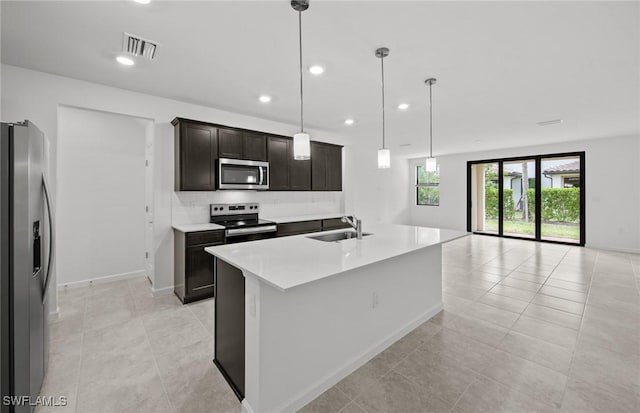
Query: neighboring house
pixel 512 179
pixel 560 174
pixel 566 175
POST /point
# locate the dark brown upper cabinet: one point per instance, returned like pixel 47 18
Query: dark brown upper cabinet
pixel 299 172
pixel 238 144
pixel 200 144
pixel 196 150
pixel 230 143
pixel 285 173
pixel 326 167
pixel 278 156
pixel 254 146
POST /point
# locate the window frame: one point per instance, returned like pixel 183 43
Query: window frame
pixel 538 159
pixel 419 185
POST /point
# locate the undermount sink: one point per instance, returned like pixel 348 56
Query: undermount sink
pixel 337 236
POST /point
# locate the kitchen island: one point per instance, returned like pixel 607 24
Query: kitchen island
pixel 295 315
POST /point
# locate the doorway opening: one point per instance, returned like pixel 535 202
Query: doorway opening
pixel 104 196
pixel 533 197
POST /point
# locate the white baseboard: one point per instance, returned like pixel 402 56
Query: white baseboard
pixel 246 407
pixel 613 249
pixel 162 291
pixel 103 280
pixel 54 315
pixel 325 384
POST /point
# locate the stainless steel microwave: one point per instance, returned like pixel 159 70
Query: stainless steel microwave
pixel 241 174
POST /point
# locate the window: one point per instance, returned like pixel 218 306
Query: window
pixel 427 186
pixel 571 182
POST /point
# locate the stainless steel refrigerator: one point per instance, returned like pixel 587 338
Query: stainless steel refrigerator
pixel 26 255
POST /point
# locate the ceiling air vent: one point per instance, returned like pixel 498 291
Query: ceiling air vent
pixel 137 46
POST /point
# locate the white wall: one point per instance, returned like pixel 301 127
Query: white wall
pixel 376 195
pixel 101 195
pixel 612 191
pixel 33 95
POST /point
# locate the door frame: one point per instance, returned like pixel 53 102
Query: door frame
pixel 149 166
pixel 538 202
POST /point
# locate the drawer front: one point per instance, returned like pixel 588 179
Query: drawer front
pixel 205 237
pixel 334 223
pixel 302 227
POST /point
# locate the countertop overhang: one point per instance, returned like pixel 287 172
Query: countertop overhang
pixel 197 227
pixel 288 262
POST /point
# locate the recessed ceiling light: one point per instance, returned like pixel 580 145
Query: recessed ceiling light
pixel 143 1
pixel 349 122
pixel 549 122
pixel 124 60
pixel 316 70
pixel 265 98
pixel 403 106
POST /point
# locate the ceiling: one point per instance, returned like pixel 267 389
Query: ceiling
pixel 501 66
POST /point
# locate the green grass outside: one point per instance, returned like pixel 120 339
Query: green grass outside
pixel 528 228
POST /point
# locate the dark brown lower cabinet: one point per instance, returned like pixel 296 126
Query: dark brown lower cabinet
pixel 296 228
pixel 334 223
pixel 229 325
pixel 193 266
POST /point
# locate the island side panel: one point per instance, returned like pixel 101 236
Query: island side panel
pixel 229 330
pixel 304 340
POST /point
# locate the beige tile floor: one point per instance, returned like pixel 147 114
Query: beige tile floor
pixel 527 327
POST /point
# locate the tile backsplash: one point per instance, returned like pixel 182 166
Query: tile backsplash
pixel 193 207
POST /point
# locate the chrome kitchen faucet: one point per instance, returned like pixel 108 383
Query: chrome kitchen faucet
pixel 355 223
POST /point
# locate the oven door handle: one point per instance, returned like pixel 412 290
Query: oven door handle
pixel 249 231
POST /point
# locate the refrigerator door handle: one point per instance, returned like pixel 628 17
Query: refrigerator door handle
pixel 52 238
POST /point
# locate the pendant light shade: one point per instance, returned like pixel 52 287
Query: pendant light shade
pixel 431 164
pixel 302 140
pixel 384 158
pixel 301 146
pixel 384 155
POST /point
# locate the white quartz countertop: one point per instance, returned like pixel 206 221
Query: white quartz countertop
pixel 298 218
pixel 288 262
pixel 277 220
pixel 197 227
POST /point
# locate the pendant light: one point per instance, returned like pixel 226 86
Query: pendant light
pixel 431 163
pixel 384 155
pixel 302 140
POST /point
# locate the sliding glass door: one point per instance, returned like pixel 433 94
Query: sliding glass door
pixel 518 198
pixel 561 198
pixel 485 197
pixel 536 197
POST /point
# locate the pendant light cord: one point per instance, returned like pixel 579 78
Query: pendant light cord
pixel 301 93
pixel 383 124
pixel 430 122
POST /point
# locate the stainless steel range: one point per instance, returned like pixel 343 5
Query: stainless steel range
pixel 241 222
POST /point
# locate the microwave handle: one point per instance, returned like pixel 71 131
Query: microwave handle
pixel 261 175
